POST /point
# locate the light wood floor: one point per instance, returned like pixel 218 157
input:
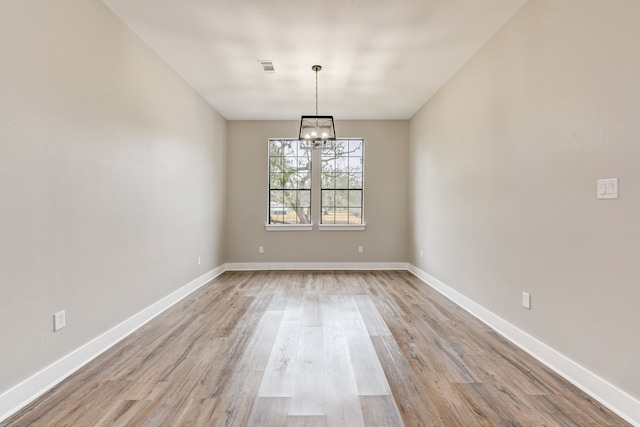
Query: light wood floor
pixel 315 349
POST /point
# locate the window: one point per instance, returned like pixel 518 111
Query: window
pixel 338 180
pixel 341 201
pixel 289 182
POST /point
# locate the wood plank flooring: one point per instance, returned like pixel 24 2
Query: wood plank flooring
pixel 315 348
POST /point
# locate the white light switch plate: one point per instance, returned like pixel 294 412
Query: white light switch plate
pixel 607 188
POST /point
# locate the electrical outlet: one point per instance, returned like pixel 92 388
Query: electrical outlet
pixel 198 260
pixel 260 249
pixel 421 254
pixel 360 249
pixel 59 321
pixel 526 300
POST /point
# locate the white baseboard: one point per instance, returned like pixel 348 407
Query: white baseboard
pixel 623 404
pixel 257 266
pixel 30 389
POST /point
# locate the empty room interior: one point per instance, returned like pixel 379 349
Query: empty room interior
pixel 436 226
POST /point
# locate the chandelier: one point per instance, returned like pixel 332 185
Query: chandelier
pixel 317 132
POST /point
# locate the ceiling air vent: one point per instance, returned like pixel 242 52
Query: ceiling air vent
pixel 267 66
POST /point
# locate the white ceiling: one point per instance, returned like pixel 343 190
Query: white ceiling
pixel 381 59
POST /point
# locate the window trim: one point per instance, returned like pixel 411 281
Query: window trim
pixel 288 227
pixel 342 227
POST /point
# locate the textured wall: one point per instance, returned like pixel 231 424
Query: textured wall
pixel 112 179
pixel 504 163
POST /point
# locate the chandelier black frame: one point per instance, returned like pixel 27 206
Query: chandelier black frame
pixel 319 130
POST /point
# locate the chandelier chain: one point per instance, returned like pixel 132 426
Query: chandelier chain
pixel 316 91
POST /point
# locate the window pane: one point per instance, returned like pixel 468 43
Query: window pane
pixel 275 148
pixel 342 198
pixel 355 164
pixel 342 164
pixel 355 147
pixel 276 197
pixel 342 180
pixel 304 198
pixel 290 182
pixel 328 180
pixel 277 180
pixel 355 198
pixel 276 163
pixel 304 179
pixel 276 207
pixel 342 146
pixel 303 215
pixel 303 163
pixel 355 216
pixel 290 198
pixel 290 149
pixel 341 216
pixel 290 164
pixel 276 217
pixel 328 198
pixel 328 162
pixel 294 181
pixel 355 180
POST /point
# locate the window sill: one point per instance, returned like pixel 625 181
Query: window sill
pixel 288 227
pixel 342 227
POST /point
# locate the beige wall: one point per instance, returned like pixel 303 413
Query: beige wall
pixel 385 195
pixel 504 163
pixel 112 179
